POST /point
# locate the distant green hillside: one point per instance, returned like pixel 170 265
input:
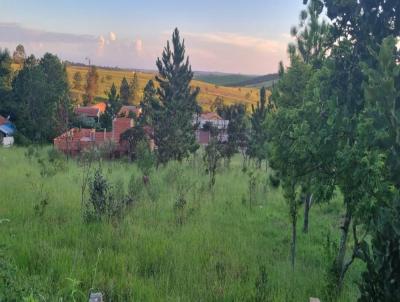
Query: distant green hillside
pixel 222 79
pixel 237 80
pixel 261 81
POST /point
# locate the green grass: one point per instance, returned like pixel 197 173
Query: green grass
pixel 215 255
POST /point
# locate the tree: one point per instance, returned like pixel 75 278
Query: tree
pixel 237 130
pixel 258 137
pixel 125 92
pixel 134 90
pixel 218 104
pixel 77 80
pixel 5 70
pixel 379 133
pixel 91 88
pixel 6 75
pixel 173 114
pixel 19 55
pixel 41 97
pixel 212 155
pixel 112 109
pixel 149 104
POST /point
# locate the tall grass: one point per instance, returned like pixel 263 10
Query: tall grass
pixel 217 254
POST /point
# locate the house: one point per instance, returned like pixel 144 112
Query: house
pixel 93 111
pixel 204 121
pixel 129 111
pixel 75 140
pixel 7 130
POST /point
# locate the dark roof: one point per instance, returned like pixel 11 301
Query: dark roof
pixel 7 128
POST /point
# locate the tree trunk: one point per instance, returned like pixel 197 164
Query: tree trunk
pixel 340 259
pixel 307 206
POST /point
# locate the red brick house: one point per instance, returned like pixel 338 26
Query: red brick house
pixel 75 140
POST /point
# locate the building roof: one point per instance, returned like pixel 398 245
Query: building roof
pixel 101 106
pixel 87 111
pixel 3 120
pixel 210 116
pixel 125 110
pixel 7 128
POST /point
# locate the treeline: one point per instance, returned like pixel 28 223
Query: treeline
pixel 36 97
pixel 335 126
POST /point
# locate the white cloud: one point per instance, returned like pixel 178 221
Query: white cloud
pixel 139 45
pixel 239 40
pixel 101 42
pixel 113 36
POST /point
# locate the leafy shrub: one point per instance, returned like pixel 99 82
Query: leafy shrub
pixel 105 201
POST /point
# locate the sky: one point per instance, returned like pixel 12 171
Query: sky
pixel 233 36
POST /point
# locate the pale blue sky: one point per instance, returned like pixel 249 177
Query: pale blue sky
pixel 232 36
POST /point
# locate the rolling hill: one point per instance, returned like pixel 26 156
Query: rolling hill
pixel 237 80
pixel 208 92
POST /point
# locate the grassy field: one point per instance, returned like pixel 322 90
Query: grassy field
pixel 208 92
pixel 217 254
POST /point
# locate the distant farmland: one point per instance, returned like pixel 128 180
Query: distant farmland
pixel 208 92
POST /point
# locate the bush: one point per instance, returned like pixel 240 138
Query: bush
pixel 105 201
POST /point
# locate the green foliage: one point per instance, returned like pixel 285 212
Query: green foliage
pixel 91 87
pixel 5 71
pixel 134 90
pixel 41 101
pixel 212 156
pixel 124 92
pixel 112 109
pixel 173 115
pixel 145 158
pixel 258 135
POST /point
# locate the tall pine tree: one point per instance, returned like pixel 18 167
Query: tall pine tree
pixel 174 129
pixel 125 92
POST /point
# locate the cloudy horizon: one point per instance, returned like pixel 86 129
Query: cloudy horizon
pixel 240 48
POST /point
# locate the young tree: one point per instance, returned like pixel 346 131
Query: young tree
pixel 237 130
pixel 173 115
pixel 149 104
pixel 112 109
pixel 91 88
pixel 125 92
pixel 134 90
pixel 258 136
pixel 212 155
pixel 77 80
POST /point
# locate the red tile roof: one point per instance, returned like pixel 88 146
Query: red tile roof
pixel 101 106
pixel 3 120
pixel 210 116
pixel 125 110
pixel 88 111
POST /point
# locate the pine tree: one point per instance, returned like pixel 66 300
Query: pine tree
pixel 134 88
pixel 125 92
pixel 149 104
pixel 113 106
pixel 91 84
pixel 258 138
pixel 173 116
